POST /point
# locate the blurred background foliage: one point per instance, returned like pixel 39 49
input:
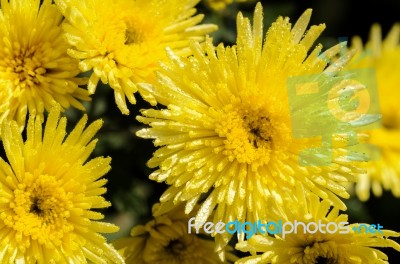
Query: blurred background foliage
pixel 129 189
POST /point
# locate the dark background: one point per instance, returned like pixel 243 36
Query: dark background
pixel 129 189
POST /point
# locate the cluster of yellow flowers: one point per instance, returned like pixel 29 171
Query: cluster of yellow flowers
pixel 227 148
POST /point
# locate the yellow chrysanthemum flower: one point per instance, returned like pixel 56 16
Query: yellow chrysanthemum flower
pixel 165 239
pixel 36 72
pixel 227 133
pixel 123 40
pixel 48 192
pixel 334 241
pixel 384 57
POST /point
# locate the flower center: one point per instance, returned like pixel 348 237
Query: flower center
pixel 36 207
pixel 322 252
pixel 133 36
pixel 175 247
pixel 25 68
pixel 136 31
pixel 251 133
pixel 40 209
pixel 324 260
pixel 259 129
pixel 180 249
